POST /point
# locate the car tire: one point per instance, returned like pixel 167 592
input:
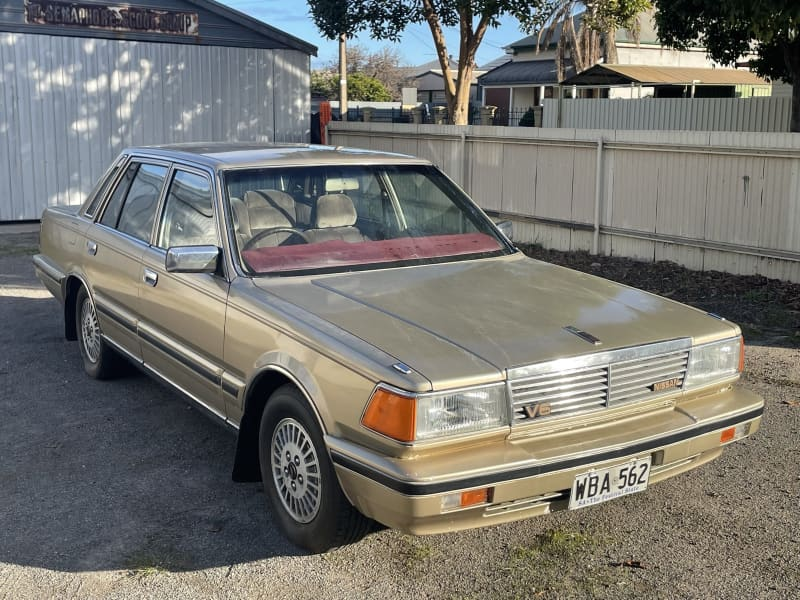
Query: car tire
pixel 99 360
pixel 300 483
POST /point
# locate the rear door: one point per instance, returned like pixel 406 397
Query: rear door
pixel 114 247
pixel 183 314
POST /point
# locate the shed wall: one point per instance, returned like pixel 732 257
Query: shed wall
pixel 69 105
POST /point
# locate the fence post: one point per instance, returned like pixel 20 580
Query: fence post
pixel 598 197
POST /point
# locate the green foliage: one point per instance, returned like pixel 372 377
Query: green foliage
pixel 770 29
pixel 728 30
pixel 388 20
pixel 359 87
pixel 364 87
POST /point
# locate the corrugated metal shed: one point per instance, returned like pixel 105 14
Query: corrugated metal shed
pixel 72 97
pixel 656 75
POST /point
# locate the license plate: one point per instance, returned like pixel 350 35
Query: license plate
pixel 601 485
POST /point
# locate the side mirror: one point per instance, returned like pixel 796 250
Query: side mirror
pixel 192 259
pixel 506 228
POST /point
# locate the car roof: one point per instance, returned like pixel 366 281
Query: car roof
pixel 220 155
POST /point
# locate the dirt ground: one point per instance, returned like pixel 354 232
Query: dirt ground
pixel 767 310
pixel 120 489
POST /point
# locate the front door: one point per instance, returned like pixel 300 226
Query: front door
pixel 183 314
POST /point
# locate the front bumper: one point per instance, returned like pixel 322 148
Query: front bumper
pixel 533 475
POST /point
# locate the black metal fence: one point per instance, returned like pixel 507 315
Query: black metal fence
pixel 434 114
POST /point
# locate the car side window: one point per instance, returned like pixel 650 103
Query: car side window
pixel 139 209
pixel 111 215
pixel 99 191
pixel 188 218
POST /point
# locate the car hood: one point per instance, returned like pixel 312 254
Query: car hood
pixel 460 321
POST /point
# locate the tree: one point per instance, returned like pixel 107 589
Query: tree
pixel 595 36
pixel 769 29
pixel 383 64
pixel 387 20
pixel 360 86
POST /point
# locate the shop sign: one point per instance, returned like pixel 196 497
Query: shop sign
pixel 114 18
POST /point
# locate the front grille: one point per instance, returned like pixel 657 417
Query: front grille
pixel 598 381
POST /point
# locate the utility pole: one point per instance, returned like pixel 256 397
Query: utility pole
pixel 343 76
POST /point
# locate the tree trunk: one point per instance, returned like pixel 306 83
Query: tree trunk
pixel 791 56
pixel 343 77
pixel 610 56
pixel 459 113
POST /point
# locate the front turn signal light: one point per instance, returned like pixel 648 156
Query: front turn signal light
pixel 392 415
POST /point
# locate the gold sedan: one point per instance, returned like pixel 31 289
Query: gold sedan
pixel 380 346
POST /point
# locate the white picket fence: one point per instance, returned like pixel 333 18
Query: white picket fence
pixel 707 200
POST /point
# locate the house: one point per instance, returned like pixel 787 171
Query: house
pixel 616 81
pixel 644 68
pixel 429 81
pixel 523 80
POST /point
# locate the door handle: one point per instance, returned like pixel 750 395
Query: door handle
pixel 91 247
pixel 150 277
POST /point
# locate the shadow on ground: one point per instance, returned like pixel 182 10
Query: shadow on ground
pixel 110 475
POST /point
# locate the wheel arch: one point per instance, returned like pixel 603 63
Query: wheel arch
pixel 72 285
pixel 262 385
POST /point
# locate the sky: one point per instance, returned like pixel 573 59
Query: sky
pixel 416 47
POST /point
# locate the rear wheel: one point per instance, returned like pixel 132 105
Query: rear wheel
pixel 99 360
pixel 301 486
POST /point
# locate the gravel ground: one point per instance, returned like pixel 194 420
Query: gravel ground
pixel 121 490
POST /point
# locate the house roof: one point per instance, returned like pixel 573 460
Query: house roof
pixel 652 75
pixel 520 72
pixel 431 65
pixel 494 63
pixel 423 82
pixel 216 25
pixel 532 40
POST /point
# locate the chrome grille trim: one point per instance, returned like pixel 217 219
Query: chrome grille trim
pixel 597 381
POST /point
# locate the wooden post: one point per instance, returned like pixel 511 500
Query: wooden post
pixel 343 76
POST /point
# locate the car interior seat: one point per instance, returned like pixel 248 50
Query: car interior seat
pixel 335 219
pixel 266 210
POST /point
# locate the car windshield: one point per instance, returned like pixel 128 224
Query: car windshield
pixel 336 218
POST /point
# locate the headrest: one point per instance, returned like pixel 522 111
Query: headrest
pixel 335 210
pixel 274 198
pixel 266 212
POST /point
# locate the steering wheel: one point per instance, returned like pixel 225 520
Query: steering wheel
pixel 262 234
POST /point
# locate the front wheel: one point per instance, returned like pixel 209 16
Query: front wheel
pixel 99 360
pixel 301 486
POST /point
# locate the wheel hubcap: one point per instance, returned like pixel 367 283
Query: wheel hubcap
pixel 90 331
pixel 295 470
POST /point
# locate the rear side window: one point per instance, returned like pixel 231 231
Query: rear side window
pixel 111 215
pixel 99 191
pixel 132 207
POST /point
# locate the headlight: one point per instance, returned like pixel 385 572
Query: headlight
pixel 408 417
pixel 715 361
